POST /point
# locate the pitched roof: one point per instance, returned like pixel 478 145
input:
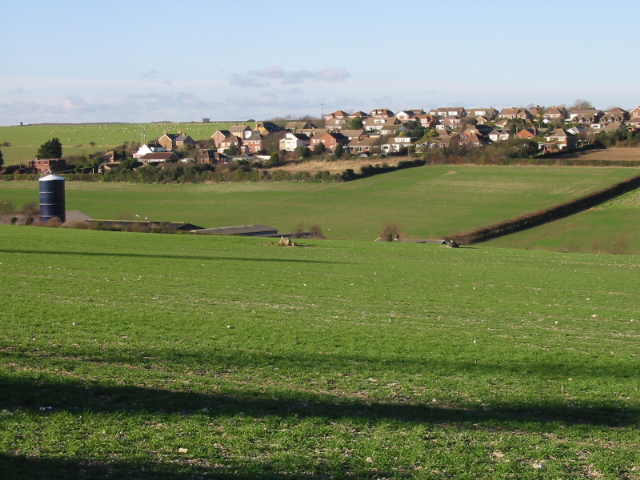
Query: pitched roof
pixel 158 157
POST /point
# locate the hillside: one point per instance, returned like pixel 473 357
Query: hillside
pixel 177 357
pixel 77 138
pixel 612 227
pixel 425 202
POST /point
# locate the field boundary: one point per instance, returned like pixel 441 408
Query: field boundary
pixel 546 215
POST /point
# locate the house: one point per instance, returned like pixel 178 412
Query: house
pixel 175 140
pixel 357 114
pixel 585 115
pixel 149 148
pixel 408 115
pixel 211 156
pixel 48 165
pixel 527 133
pixel 291 141
pixel 502 124
pixel 378 123
pixel 396 144
pixel 451 122
pixel 158 157
pixel 330 140
pixel 265 128
pixel 314 132
pixel 426 121
pixel 471 139
pixel 515 113
pixel 635 113
pixel 295 127
pixel 560 140
pixel 252 144
pixel 364 145
pixel 459 112
pixel 242 131
pixel 615 115
pixel 219 136
pixel 498 136
pixel 393 129
pixel 351 134
pixel 381 113
pixel 610 127
pixel 336 114
pixel 228 142
pixel 443 140
pixel 487 113
pixel 337 123
pixel 555 115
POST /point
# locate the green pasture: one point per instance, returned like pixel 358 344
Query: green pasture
pixel 425 202
pixel 147 356
pixel 76 139
pixel 613 227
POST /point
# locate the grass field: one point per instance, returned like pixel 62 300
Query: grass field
pixel 613 227
pixel 179 356
pixel 425 202
pixel 76 139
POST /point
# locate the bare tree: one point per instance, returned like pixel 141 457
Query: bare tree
pixel 581 103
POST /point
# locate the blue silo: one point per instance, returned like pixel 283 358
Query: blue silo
pixel 52 198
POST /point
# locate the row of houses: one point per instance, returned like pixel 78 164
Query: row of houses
pixel 383 131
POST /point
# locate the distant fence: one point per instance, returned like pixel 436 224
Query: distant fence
pixel 547 215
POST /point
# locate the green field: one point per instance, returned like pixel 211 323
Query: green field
pixel 613 227
pixel 76 139
pixel 180 357
pixel 425 202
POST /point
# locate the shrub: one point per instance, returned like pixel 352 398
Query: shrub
pixel 316 232
pixel 7 208
pixel 390 233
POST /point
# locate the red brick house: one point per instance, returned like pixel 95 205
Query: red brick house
pixel 49 165
pixel 330 140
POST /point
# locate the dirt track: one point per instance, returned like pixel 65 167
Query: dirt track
pixel 339 166
pixel 617 154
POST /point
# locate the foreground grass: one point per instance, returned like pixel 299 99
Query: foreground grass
pixel 178 356
pixel 426 202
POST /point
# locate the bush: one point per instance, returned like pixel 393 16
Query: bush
pixel 390 233
pixel 316 232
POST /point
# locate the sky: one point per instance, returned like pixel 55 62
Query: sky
pixel 77 61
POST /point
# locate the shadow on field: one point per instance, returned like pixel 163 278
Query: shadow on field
pixel 25 468
pixel 167 256
pixel 76 397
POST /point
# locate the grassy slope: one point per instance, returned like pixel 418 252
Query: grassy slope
pixel 613 227
pixel 425 202
pixel 76 139
pixel 366 359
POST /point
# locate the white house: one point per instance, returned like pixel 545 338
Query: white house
pixel 291 141
pixel 149 148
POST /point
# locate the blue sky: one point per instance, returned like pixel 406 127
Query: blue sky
pixel 143 61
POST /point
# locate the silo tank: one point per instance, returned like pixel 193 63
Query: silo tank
pixel 52 203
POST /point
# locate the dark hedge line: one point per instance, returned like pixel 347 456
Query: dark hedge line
pixel 547 215
pixel 176 176
pixel 371 170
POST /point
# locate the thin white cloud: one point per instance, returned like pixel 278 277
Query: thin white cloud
pixel 244 82
pixel 272 73
pixel 253 79
pixel 325 75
